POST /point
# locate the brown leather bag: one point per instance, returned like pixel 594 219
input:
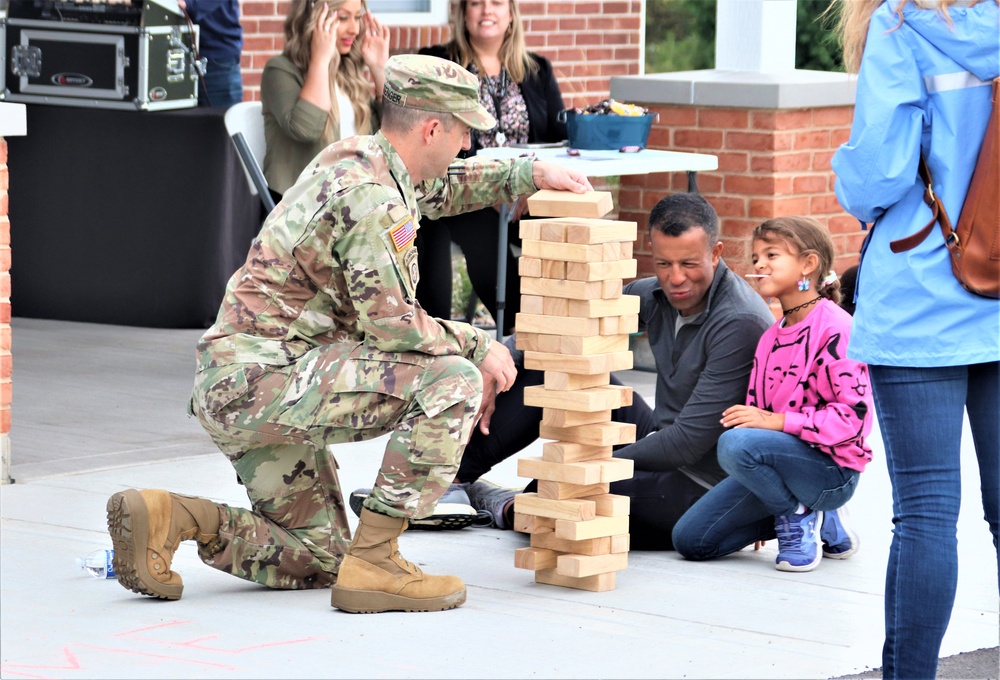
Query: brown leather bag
pixel 975 243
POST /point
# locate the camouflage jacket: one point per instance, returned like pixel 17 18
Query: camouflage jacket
pixel 335 261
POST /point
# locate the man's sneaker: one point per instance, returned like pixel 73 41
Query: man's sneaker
pixel 839 541
pixel 798 540
pixel 453 510
pixel 491 502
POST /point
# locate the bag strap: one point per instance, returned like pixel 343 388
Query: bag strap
pixel 938 214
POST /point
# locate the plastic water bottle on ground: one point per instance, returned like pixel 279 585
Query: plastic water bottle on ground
pixel 98 563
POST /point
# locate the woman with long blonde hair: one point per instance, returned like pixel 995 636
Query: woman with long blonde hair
pixel 925 69
pixel 519 88
pixel 317 91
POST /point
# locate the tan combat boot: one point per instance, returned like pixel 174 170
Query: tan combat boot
pixel 374 577
pixel 146 527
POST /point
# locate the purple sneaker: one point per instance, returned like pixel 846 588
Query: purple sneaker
pixel 798 540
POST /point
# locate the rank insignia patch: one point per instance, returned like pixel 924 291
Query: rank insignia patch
pixel 403 234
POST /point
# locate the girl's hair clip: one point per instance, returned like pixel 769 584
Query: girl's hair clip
pixel 829 280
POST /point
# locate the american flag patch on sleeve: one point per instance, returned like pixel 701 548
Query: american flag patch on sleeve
pixel 403 233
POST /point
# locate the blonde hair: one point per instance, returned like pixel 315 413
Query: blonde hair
pixel 514 56
pixel 346 71
pixel 804 236
pixel 854 17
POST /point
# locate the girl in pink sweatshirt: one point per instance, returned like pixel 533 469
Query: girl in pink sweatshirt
pixel 796 448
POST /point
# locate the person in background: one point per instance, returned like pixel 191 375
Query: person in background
pixel 220 44
pixel 519 88
pixel 932 348
pixel 316 91
pixel 848 285
pixel 797 445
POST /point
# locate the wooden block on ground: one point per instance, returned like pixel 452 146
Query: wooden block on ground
pixel 579 566
pixel 599 271
pixel 561 490
pixel 587 364
pixel 593 307
pixel 597 434
pixel 594 528
pixel 557 325
pixel 531 504
pixel 586 399
pixel 611 505
pixel 549 203
pixel 570 452
pixel 559 380
pixel 559 417
pixel 590 546
pixel 598 583
pixel 534 558
pixel 531 524
pixel 620 543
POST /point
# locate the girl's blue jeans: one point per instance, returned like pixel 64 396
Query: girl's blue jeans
pixel 770 473
pixel 920 413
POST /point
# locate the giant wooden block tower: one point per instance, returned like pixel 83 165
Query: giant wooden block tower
pixel 574 325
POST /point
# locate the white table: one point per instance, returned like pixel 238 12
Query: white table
pixel 593 164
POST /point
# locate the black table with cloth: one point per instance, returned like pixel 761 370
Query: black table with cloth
pixel 126 217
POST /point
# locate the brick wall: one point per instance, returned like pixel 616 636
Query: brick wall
pixel 771 163
pixel 588 41
pixel 6 387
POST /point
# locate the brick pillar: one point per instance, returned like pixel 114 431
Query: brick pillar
pixel 772 163
pixel 6 385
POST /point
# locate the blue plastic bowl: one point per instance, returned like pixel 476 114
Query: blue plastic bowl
pixel 606 131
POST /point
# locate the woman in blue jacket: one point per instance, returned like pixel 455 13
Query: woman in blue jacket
pixel 932 348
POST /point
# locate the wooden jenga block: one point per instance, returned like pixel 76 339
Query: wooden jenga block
pixel 556 325
pixel 561 490
pixel 620 543
pixel 597 434
pixel 538 342
pixel 553 269
pixel 530 267
pixel 534 558
pixel 600 231
pixel 596 344
pixel 530 230
pixel 531 504
pixel 532 524
pixel 598 583
pixel 626 250
pixel 558 417
pixel 571 452
pixel 559 380
pixel 591 308
pixel 599 271
pixel 589 546
pixel 576 291
pixel 611 505
pixel 552 230
pixel 617 469
pixel 584 472
pixel 571 252
pixel 586 364
pixel 579 566
pixel 594 528
pixel 617 325
pixel 600 398
pixel 549 203
pixel 532 304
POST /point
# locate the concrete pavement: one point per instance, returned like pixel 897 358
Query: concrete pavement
pixel 101 408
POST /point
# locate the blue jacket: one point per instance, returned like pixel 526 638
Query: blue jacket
pixel 922 87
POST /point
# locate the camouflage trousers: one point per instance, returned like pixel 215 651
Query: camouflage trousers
pixel 274 423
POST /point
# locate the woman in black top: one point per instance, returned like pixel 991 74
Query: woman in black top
pixel 519 88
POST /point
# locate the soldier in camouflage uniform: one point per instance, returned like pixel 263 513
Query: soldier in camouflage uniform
pixel 320 340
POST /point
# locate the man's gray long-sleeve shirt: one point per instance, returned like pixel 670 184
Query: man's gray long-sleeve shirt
pixel 700 372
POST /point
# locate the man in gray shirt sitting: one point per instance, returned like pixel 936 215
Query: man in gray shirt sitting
pixel 703 323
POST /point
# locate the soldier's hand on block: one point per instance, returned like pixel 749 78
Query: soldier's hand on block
pixel 499 367
pixel 550 176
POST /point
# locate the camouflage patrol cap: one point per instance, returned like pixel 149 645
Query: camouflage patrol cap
pixel 428 83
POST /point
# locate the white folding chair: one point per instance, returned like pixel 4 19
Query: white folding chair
pixel 245 124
